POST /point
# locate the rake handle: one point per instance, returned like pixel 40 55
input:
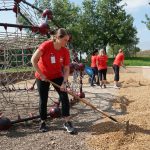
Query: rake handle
pixel 124 67
pixel 85 102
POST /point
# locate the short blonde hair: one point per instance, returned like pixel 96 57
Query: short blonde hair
pixel 102 52
pixel 120 50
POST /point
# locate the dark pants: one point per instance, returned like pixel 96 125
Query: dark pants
pixel 102 74
pixel 116 71
pixel 43 88
pixel 95 72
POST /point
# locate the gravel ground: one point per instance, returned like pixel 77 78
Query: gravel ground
pixel 95 132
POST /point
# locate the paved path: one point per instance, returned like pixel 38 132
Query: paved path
pixel 103 99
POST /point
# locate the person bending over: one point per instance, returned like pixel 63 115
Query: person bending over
pixel 48 61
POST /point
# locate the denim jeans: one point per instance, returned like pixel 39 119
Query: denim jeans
pixel 95 72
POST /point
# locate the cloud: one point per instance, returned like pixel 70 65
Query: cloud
pixel 133 5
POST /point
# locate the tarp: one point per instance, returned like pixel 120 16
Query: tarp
pixel 89 71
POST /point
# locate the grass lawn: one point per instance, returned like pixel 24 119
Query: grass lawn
pixel 133 61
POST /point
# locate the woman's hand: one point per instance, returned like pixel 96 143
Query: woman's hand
pixel 43 78
pixel 63 87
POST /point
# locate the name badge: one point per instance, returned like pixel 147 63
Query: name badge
pixel 53 60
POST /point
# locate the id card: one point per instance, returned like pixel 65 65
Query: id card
pixel 53 60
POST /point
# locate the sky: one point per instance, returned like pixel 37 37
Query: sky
pixel 136 8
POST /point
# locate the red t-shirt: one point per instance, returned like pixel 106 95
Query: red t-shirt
pixel 118 59
pixel 102 62
pixel 52 60
pixel 93 61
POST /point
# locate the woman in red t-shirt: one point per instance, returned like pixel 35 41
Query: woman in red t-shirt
pixel 102 59
pixel 119 61
pixel 48 61
pixel 94 67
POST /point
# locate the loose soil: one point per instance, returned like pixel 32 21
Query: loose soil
pixel 95 131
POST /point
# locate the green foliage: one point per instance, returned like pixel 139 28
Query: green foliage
pixel 129 50
pixel 95 24
pixel 147 22
pixel 64 13
pixel 116 25
pixel 19 69
pixel 129 61
pixel 106 22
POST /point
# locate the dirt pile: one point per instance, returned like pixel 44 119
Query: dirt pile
pixel 135 95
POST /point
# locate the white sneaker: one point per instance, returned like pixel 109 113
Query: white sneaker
pixel 69 127
pixel 116 87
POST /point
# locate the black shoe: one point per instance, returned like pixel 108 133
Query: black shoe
pixel 43 127
pixel 104 86
pixel 69 127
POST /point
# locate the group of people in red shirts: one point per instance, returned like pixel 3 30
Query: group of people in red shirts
pixel 99 67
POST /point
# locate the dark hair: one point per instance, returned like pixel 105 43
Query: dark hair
pixel 94 52
pixel 61 32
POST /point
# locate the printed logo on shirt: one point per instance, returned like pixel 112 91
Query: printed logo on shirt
pixel 61 59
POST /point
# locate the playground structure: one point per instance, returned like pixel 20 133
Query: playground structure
pixel 17 44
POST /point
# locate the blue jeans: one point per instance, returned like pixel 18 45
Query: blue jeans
pixel 95 72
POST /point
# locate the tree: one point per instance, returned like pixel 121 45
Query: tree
pixel 105 22
pixel 64 13
pixel 116 25
pixel 91 35
pixel 67 15
pixel 95 24
pixel 147 22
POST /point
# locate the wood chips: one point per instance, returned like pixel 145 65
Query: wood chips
pixel 135 95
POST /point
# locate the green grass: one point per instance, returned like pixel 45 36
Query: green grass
pixel 133 61
pixel 19 69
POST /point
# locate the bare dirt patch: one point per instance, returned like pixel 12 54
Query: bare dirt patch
pixel 136 90
pixel 95 132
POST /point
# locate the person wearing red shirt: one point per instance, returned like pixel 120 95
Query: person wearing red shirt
pixel 102 59
pixel 94 67
pixel 119 61
pixel 48 61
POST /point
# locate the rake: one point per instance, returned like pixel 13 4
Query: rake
pixel 83 100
